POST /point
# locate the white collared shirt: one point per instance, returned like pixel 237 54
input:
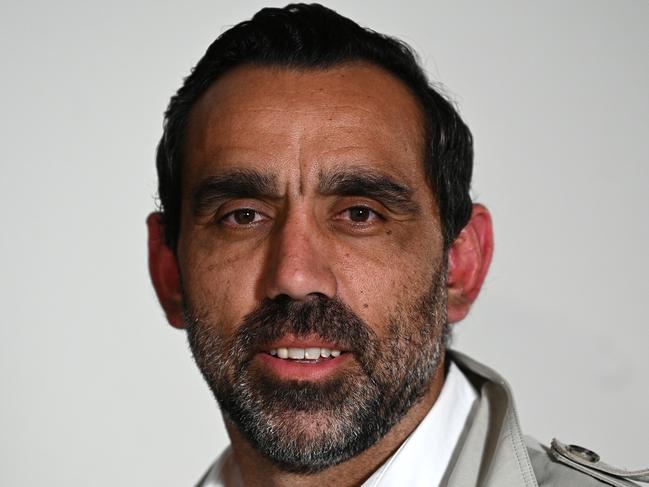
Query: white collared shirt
pixel 421 460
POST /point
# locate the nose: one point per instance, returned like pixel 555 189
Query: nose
pixel 297 264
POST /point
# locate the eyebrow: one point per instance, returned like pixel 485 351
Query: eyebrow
pixel 365 182
pixel 240 183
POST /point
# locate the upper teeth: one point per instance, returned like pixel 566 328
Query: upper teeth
pixel 311 353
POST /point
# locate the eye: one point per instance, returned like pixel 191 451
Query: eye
pixel 361 214
pixel 243 217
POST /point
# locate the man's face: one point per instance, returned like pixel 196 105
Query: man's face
pixel 308 227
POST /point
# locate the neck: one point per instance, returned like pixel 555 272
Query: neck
pixel 258 470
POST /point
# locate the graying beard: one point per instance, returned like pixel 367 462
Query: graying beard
pixel 367 412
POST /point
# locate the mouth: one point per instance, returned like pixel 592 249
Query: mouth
pixel 309 354
pixel 301 361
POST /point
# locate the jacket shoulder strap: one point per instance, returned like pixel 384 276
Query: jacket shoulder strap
pixel 571 465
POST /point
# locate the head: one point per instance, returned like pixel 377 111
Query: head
pixel 314 194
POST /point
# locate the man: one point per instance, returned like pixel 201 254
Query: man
pixel 316 240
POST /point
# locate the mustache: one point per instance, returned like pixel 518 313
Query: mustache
pixel 328 318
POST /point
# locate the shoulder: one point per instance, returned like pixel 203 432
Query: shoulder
pixel 562 465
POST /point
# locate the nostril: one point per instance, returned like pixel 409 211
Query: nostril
pixel 283 299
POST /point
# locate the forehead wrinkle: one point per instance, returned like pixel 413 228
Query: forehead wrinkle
pixel 252 92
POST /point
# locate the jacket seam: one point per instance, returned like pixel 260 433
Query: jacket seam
pixel 522 459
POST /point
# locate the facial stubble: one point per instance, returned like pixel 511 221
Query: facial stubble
pixel 305 426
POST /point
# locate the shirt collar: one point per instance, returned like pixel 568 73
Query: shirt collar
pixel 424 456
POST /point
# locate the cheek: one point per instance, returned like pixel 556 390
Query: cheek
pixel 221 286
pixel 375 280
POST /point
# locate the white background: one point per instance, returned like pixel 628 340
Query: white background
pixel 97 390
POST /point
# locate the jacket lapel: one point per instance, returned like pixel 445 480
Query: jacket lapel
pixel 491 452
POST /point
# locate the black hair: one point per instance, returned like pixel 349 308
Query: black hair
pixel 310 36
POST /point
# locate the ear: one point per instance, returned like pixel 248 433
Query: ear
pixel 468 261
pixel 163 268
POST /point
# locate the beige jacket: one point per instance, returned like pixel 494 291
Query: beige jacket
pixel 493 452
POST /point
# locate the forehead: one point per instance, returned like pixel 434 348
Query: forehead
pixel 282 117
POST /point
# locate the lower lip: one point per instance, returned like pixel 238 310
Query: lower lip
pixel 301 370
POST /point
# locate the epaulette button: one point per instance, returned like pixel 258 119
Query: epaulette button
pixel 583 453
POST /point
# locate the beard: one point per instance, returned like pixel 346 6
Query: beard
pixel 307 426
